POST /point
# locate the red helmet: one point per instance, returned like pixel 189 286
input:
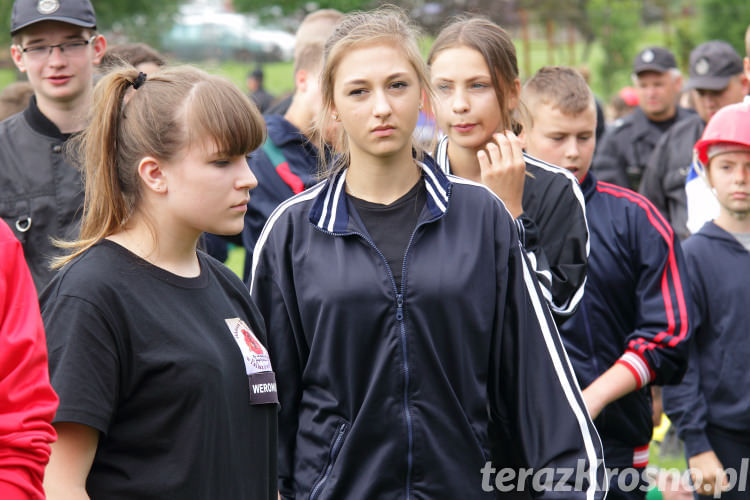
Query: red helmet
pixel 730 124
pixel 629 96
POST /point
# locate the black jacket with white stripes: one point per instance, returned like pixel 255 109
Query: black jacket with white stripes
pixel 407 390
pixel 552 229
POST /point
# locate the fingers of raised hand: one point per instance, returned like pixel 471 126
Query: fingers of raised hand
pixel 505 148
pixel 509 151
pixel 503 153
pixel 484 161
pixel 516 148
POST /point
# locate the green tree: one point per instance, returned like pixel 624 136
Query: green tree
pixel 617 24
pixel 296 6
pixel 724 20
pixel 140 20
pixel 568 15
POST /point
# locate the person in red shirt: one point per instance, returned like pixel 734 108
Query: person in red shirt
pixel 27 401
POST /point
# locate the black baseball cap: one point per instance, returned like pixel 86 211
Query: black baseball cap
pixel 28 12
pixel 712 64
pixel 656 59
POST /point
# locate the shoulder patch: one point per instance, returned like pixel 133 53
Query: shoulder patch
pixel 618 123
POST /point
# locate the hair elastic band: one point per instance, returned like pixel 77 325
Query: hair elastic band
pixel 140 80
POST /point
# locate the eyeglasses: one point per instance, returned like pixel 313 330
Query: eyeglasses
pixel 71 48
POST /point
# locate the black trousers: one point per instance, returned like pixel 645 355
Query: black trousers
pixel 628 483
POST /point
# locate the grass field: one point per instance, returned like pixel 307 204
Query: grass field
pixel 7 76
pixel 278 76
pixel 236 260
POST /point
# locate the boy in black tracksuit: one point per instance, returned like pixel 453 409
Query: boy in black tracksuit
pixel 633 322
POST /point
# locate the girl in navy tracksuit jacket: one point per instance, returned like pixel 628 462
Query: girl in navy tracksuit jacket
pixel 414 340
pixel 475 73
pixel 711 407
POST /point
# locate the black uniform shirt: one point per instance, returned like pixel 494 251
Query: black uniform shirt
pixel 627 146
pixel 41 192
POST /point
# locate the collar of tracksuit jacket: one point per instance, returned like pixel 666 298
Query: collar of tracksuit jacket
pixel 330 212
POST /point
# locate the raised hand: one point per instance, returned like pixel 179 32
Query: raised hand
pixel 503 169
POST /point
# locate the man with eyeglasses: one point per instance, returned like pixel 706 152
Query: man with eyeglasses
pixel 55 43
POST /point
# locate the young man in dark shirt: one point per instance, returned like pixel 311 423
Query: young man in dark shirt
pixel 55 43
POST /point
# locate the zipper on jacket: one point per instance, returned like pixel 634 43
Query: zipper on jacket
pixel 400 319
pixel 337 442
pixel 407 413
pixel 587 328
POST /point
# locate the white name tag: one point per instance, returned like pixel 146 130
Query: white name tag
pixel 253 353
pixel 260 374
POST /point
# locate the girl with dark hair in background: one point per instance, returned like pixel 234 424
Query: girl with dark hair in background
pixel 475 73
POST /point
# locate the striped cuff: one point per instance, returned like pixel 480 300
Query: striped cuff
pixel 640 456
pixel 637 366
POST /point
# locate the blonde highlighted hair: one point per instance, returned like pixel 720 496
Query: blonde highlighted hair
pixel 386 25
pixel 169 112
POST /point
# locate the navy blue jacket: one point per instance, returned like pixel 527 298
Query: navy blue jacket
pixel 552 229
pixel 634 312
pixel 714 391
pixel 396 390
pixel 276 184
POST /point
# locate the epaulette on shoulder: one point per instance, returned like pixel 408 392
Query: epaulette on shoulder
pixel 620 122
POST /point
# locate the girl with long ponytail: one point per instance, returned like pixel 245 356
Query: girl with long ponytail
pixel 155 347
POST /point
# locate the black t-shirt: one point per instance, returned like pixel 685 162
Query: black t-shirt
pixel 149 359
pixel 665 125
pixel 391 226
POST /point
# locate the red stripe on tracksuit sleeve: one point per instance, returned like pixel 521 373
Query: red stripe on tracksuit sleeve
pixel 289 178
pixel 665 230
